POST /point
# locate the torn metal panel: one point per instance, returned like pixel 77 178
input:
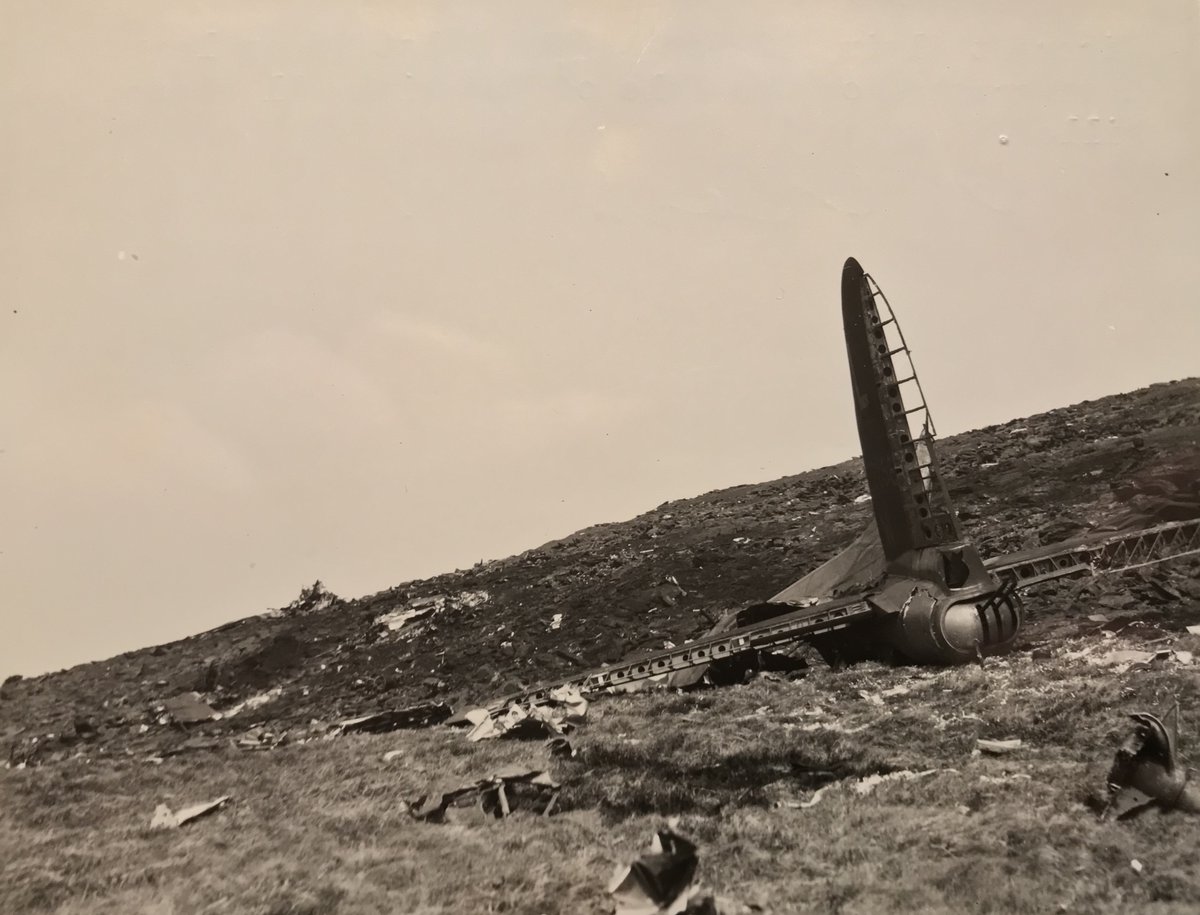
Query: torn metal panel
pixel 558 713
pixel 660 882
pixel 495 797
pixel 1145 772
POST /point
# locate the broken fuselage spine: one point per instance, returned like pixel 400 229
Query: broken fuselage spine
pixel 1099 555
pixel 787 629
pixel 1095 556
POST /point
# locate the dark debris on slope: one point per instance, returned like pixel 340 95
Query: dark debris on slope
pixel 613 589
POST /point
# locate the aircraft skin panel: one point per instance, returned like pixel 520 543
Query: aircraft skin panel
pixel 912 508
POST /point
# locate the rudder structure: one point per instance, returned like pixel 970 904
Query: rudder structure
pixel 912 507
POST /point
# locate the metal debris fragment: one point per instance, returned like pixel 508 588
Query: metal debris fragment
pixel 1145 772
pixel 188 708
pixel 865 786
pixel 253 702
pixel 494 798
pixel 165 819
pixel 417 716
pixel 560 747
pixel 564 708
pixel 998 747
pixel 260 739
pixel 660 881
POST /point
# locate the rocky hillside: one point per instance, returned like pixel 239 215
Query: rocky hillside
pixel 613 589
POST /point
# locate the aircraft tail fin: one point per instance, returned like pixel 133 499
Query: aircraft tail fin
pixel 912 507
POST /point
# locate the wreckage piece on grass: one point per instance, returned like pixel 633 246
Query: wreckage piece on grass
pixel 914 591
pixel 1146 772
pixel 189 708
pixel 417 716
pixel 492 798
pixel 165 819
pixel 998 747
pixel 560 748
pixel 557 714
pixel 260 739
pixel 660 881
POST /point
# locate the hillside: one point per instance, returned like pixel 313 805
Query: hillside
pixel 614 589
pixel 855 791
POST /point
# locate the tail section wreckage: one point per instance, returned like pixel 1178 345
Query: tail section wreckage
pixel 911 589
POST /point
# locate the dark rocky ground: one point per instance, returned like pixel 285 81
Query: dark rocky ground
pixel 1129 460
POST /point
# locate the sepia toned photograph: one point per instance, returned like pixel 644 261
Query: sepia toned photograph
pixel 480 457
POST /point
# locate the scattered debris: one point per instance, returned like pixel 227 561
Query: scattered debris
pixel 556 622
pixel 1194 630
pixel 559 714
pixel 316 598
pixel 1003 779
pixel 865 786
pixel 165 819
pixel 416 609
pixel 1145 772
pixel 560 747
pixel 1137 866
pixel 998 747
pixel 253 702
pixel 260 739
pixel 188 708
pixel 417 716
pixel 861 786
pixel 392 754
pixel 494 798
pixel 1132 658
pixel 660 881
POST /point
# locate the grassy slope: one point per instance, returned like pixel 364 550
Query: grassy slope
pixel 321 826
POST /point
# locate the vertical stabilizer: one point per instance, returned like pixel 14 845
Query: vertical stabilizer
pixel 912 508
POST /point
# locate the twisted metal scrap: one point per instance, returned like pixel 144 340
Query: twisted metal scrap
pixel 660 882
pixel 1145 772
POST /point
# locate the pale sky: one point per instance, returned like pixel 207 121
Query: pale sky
pixel 367 291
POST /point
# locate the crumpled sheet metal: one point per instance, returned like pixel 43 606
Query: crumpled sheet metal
pixel 537 721
pixel 1146 773
pixel 660 882
pixel 491 798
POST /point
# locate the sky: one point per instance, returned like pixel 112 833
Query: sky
pixel 367 291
